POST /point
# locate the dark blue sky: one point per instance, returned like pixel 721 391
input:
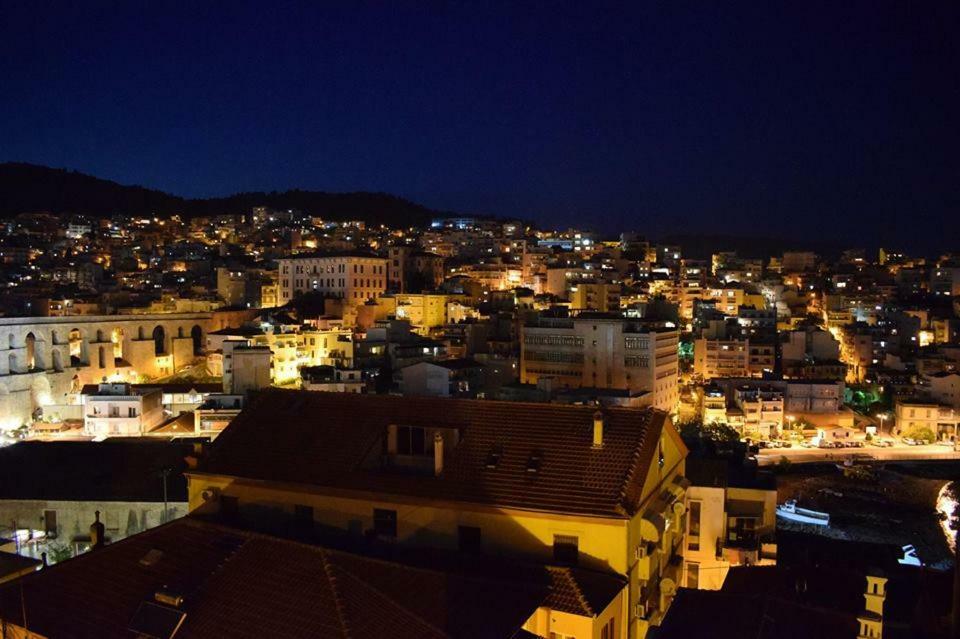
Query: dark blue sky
pixel 834 120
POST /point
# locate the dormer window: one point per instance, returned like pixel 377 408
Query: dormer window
pixel 413 440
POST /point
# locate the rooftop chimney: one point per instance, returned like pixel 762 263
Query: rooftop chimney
pixel 437 454
pixel 598 429
pixel 871 619
pixel 97 532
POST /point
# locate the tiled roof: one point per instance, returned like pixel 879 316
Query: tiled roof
pixel 581 592
pixel 338 440
pixel 246 585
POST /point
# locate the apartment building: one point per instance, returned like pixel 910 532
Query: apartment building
pixel 595 296
pixel 567 486
pixel 119 410
pixel 731 519
pixel 412 270
pixel 354 278
pixel 721 357
pixel 594 350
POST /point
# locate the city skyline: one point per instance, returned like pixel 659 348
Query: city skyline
pixel 654 117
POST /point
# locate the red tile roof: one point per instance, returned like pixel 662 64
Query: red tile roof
pixel 338 440
pixel 241 584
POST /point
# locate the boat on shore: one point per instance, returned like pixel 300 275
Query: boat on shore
pixel 790 511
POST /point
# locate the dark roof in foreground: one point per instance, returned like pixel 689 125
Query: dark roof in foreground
pixel 242 584
pixel 337 440
pixel 111 470
pixel 815 590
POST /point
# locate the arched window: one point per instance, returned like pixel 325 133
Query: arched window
pixel 31 341
pixel 159 341
pixel 116 336
pixel 102 359
pixel 196 333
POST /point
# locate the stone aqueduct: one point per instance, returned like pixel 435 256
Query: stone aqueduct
pixel 43 358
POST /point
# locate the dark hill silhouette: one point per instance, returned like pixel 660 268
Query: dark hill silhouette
pixel 30 188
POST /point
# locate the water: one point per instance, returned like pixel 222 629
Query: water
pixel 946 506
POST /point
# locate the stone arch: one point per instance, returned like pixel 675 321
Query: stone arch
pixel 140 333
pixel 196 334
pixel 54 337
pixel 116 336
pixel 57 360
pixel 180 331
pixel 31 343
pixel 11 341
pixel 159 341
pixel 99 335
pixel 77 346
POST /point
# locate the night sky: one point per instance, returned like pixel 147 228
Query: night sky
pixel 836 120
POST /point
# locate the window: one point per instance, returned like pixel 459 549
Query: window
pixel 693 526
pixel 566 549
pixel 411 440
pixel 131 412
pixel 693 575
pixel 469 538
pixel 385 523
pixel 50 522
pixel 606 632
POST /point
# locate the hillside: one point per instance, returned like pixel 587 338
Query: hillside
pixel 29 187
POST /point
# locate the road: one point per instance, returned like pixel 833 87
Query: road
pixel 898 452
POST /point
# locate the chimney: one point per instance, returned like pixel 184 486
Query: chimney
pixel 437 454
pixel 97 531
pixel 598 429
pixel 871 619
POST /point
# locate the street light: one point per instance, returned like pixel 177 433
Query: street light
pixel 881 417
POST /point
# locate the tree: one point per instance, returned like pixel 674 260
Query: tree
pixel 922 433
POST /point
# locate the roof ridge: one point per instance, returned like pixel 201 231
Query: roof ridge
pixel 338 604
pixel 366 584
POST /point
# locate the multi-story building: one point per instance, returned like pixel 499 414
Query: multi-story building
pixel 913 415
pixel 594 350
pixel 601 491
pixel 354 278
pixel 730 521
pixel 118 410
pixel 760 411
pixel 595 296
pixel 721 358
pixel 413 271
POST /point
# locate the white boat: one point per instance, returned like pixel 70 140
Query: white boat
pixel 789 510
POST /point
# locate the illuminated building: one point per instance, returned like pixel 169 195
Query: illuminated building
pixel 730 521
pixel 118 410
pixel 594 350
pixel 354 278
pixel 565 485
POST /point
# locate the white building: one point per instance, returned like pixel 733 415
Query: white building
pixel 120 410
pixel 594 350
